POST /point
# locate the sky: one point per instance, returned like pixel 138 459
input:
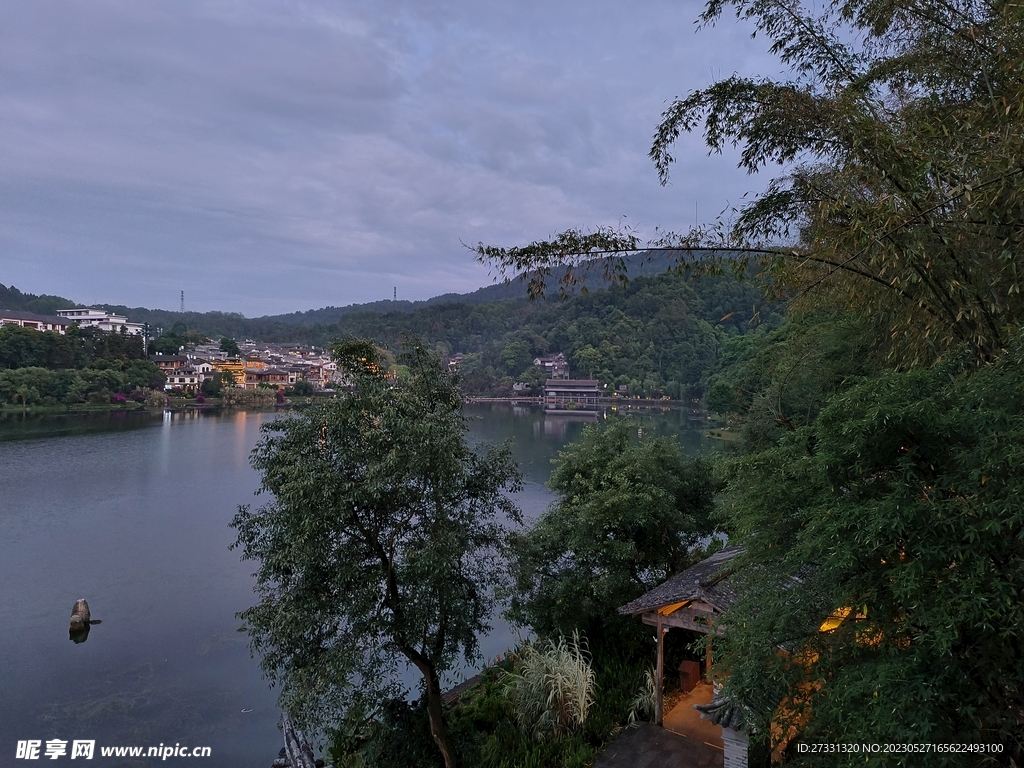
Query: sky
pixel 268 157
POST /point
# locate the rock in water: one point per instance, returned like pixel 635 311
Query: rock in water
pixel 80 615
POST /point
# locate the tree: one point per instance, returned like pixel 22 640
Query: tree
pixel 214 386
pixel 629 513
pixel 229 347
pixel 303 388
pixel 381 542
pixel 899 130
pixel 896 512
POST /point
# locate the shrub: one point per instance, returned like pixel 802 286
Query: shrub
pixel 156 400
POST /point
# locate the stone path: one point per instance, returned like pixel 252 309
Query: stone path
pixel 651 746
pixel 686 741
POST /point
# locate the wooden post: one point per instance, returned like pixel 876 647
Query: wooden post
pixel 707 668
pixel 659 675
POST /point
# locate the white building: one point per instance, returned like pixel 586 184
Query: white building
pixel 98 318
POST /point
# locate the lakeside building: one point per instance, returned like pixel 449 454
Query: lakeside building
pixel 88 317
pixel 571 393
pixel 34 321
pixel 263 375
pixel 187 380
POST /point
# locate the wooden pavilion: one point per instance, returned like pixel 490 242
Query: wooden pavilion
pixel 695 600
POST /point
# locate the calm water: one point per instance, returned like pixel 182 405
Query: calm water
pixel 131 512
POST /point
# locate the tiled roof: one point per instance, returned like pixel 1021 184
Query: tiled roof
pixel 726 713
pixel 708 581
pixel 15 314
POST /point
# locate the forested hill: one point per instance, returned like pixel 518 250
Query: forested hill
pixel 656 335
pixel 12 298
pixel 276 327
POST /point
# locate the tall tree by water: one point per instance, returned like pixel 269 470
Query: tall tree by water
pixel 380 544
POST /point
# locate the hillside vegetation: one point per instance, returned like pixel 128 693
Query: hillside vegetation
pixel 656 335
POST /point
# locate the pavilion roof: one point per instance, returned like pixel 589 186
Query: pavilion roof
pixel 707 581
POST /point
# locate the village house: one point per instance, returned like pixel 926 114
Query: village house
pixel 209 351
pixel 170 363
pixel 34 321
pixel 556 366
pixel 232 366
pixel 264 375
pixel 90 317
pixel 204 368
pixel 184 379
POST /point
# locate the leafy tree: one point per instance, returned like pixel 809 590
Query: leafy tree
pixel 380 543
pixel 213 386
pixel 896 512
pixel 516 356
pixel 302 388
pixel 778 380
pixel 629 514
pixel 229 347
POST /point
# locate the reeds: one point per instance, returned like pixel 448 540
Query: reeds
pixel 551 687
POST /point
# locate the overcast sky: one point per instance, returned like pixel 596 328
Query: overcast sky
pixel 268 157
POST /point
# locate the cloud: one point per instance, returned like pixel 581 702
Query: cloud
pixel 275 156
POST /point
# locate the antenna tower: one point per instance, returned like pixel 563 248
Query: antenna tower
pixel 395 295
pixel 182 301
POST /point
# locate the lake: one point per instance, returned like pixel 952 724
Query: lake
pixel 131 512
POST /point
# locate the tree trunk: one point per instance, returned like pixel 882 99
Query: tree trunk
pixel 437 726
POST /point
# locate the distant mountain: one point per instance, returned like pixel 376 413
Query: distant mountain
pixel 238 326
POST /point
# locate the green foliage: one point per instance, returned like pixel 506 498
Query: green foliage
pixel 12 298
pixel 489 736
pixel 399 737
pixel 179 336
pixel 778 380
pixel 900 127
pixel 234 397
pixel 230 347
pixel 78 348
pixel 628 514
pixel 645 702
pixel 214 386
pixel 900 502
pixel 27 386
pixel 302 389
pixel 379 545
pixel 661 332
